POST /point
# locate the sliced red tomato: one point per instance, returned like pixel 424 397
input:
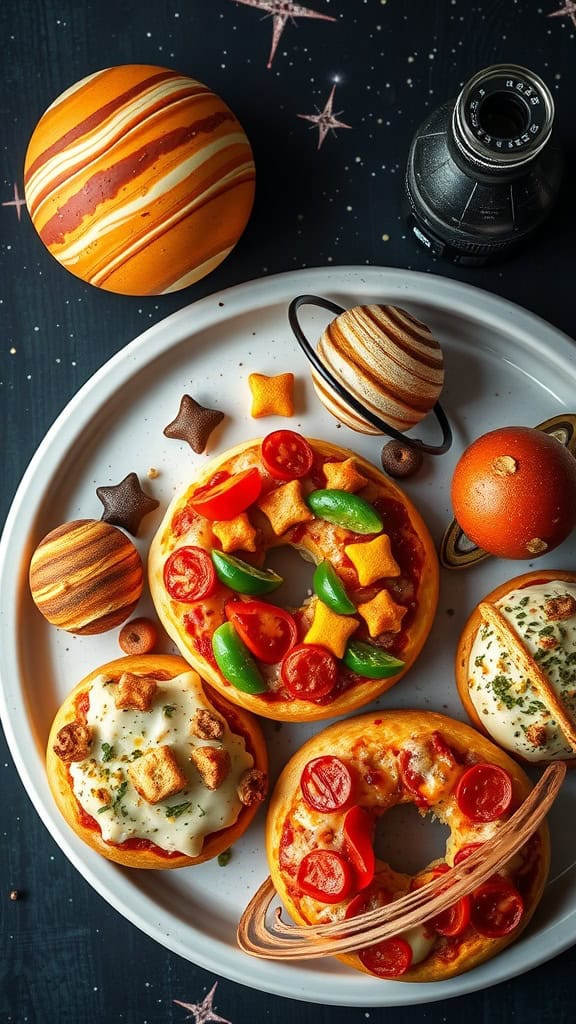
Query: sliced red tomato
pixel 484 792
pixel 268 631
pixel 228 498
pixel 286 455
pixel 454 920
pixel 497 908
pixel 388 959
pixel 189 574
pixel 464 852
pixel 358 830
pixel 325 875
pixel 309 672
pixel 326 783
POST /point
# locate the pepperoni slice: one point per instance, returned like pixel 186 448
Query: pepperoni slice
pixel 454 920
pixel 326 783
pixel 309 672
pixel 388 959
pixel 326 876
pixel 484 792
pixel 189 574
pixel 464 852
pixel 497 908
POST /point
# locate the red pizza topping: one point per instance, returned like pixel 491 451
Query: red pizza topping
pixel 484 792
pixel 189 574
pixel 358 839
pixel 326 784
pixel 388 959
pixel 326 876
pixel 230 497
pixel 309 672
pixel 286 455
pixel 497 908
pixel 268 631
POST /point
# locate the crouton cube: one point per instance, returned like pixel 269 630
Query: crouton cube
pixel 157 775
pixel 206 725
pixel 212 764
pixel 134 693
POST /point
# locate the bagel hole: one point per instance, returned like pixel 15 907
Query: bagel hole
pixel 297 573
pixel 407 841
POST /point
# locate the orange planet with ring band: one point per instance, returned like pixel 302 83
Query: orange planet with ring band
pixel 139 180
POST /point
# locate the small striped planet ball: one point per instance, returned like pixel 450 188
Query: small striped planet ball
pixel 86 576
pixel 139 180
pixel 388 361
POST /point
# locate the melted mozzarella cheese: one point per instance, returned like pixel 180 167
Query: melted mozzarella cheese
pixel 503 696
pixel 103 788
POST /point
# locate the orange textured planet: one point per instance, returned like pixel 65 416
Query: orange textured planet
pixel 139 180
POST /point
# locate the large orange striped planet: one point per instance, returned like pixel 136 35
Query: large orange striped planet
pixel 139 180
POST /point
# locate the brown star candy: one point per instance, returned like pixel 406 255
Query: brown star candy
pixel 193 424
pixel 126 504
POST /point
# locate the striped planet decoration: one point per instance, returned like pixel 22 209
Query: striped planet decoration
pixel 139 180
pixel 387 360
pixel 86 576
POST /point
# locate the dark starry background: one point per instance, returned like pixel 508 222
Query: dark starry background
pixel 66 957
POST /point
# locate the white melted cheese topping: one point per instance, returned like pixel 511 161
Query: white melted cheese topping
pixel 103 788
pixel 503 696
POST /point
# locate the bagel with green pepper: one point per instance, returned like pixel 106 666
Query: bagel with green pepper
pixel 375 585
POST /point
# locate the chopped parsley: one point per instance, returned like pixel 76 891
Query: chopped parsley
pixel 120 793
pixel 169 710
pixel 224 857
pixel 177 809
pixel 107 752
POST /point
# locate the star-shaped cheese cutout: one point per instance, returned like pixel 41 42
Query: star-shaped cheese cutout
pixel 193 424
pixel 285 507
pixel 382 614
pixel 373 559
pixel 236 534
pixel 126 504
pixel 330 629
pixel 271 396
pixel 344 476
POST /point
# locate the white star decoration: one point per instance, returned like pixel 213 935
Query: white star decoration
pixel 325 120
pixel 203 1012
pixel 17 202
pixel 568 11
pixel 281 11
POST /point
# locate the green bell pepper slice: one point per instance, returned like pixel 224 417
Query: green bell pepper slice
pixel 243 577
pixel 329 588
pixel 371 661
pixel 235 661
pixel 345 509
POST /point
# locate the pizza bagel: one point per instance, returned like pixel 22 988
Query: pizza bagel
pixel 323 816
pixel 151 768
pixel 375 583
pixel 516 666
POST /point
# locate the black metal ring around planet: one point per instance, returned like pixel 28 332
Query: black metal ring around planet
pixel 381 425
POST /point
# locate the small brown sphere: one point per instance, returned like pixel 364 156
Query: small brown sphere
pixel 139 636
pixel 86 576
pixel 400 460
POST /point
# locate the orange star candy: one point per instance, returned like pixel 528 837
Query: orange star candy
pixel 343 476
pixel 330 629
pixel 236 534
pixel 382 614
pixel 271 396
pixel 373 559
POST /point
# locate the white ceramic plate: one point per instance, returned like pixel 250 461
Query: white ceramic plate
pixel 503 366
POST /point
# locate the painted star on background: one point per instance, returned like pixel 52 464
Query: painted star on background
pixel 568 11
pixel 203 1012
pixel 281 11
pixel 325 120
pixel 17 202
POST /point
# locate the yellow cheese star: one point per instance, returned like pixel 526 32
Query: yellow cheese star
pixel 343 476
pixel 330 629
pixel 236 534
pixel 382 614
pixel 285 506
pixel 373 559
pixel 271 396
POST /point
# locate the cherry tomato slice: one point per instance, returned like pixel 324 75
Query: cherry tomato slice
pixel 358 832
pixel 189 574
pixel 286 455
pixel 269 632
pixel 326 783
pixel 325 875
pixel 454 920
pixel 388 959
pixel 484 792
pixel 497 908
pixel 309 672
pixel 228 498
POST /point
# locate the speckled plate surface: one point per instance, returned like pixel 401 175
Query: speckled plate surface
pixel 503 366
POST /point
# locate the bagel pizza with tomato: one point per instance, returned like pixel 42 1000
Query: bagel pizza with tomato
pixel 375 583
pixel 151 768
pixel 321 825
pixel 516 666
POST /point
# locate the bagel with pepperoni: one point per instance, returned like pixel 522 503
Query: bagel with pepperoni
pixel 516 666
pixel 375 583
pixel 151 768
pixel 323 815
